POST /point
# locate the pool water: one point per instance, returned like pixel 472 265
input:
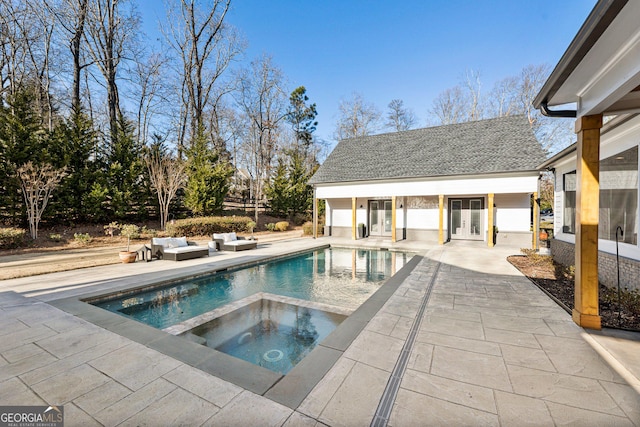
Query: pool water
pixel 268 333
pixel 334 276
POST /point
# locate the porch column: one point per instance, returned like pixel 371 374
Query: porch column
pixel 393 218
pixel 441 219
pixel 315 217
pixel 354 235
pixel 490 220
pixel 586 311
pixel 536 216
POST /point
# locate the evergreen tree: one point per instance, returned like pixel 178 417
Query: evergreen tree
pixel 277 190
pixel 73 144
pixel 302 117
pixel 209 174
pixel 288 191
pixel 123 193
pixel 22 139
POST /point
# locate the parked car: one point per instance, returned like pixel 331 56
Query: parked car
pixel 546 215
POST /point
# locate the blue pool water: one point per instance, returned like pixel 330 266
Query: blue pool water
pixel 340 277
pixel 267 333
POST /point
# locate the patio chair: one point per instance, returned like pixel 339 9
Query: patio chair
pixel 232 242
pixel 176 248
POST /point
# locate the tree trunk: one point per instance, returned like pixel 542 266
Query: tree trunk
pixel 75 53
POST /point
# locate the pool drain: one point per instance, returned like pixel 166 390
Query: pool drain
pixel 274 355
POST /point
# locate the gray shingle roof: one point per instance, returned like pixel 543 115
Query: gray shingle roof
pixel 505 144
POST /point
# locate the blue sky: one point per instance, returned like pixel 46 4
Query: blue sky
pixel 405 49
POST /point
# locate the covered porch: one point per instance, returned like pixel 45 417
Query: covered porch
pixel 598 77
pixel 503 218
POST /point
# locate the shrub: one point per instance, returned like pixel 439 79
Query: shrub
pixel 282 226
pixel 148 232
pixel 271 226
pixel 251 225
pixel 307 228
pixel 55 237
pixel 300 218
pixel 11 237
pixel 206 226
pixel 82 238
pixel 629 299
pixel 110 228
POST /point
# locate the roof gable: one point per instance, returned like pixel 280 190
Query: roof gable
pixel 505 144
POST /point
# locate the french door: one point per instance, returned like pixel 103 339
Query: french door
pixel 380 218
pixel 466 219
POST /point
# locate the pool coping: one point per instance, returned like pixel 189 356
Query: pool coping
pixel 289 390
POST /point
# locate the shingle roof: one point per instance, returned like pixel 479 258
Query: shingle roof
pixel 505 144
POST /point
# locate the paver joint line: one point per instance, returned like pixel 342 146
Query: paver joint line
pixel 383 412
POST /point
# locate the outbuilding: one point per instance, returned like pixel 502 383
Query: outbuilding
pixel 473 181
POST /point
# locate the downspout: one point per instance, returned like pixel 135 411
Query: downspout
pixel 557 113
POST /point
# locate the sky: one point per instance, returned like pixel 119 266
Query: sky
pixel 402 49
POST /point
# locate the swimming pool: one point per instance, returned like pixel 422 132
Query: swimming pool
pixel 333 276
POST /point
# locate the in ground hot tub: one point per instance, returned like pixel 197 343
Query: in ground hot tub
pixel 270 331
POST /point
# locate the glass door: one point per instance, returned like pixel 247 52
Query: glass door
pixel 380 218
pixel 466 219
pixel 374 218
pixel 387 218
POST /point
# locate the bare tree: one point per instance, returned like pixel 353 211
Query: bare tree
pixel 71 16
pixel 449 107
pixel 511 95
pixel 109 31
pixel 14 22
pixel 503 98
pixel 461 103
pixel 473 87
pixel 263 102
pixel 167 175
pixel 38 182
pixel 357 118
pixel 206 45
pixel 149 91
pixel 399 117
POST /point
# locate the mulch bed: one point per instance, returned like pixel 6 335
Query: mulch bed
pixel 558 281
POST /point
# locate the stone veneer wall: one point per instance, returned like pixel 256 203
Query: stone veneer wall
pixel 564 253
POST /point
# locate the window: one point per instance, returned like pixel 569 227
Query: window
pixel 569 213
pixel 619 196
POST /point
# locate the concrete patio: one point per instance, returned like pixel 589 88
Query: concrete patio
pixel 465 339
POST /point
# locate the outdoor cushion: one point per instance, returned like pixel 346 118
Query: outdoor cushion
pixel 240 243
pixel 182 249
pixel 170 242
pixel 226 237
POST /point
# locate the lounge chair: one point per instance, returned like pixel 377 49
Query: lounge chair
pixel 231 242
pixel 176 248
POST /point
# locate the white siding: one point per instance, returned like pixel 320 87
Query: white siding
pixel 513 212
pixel 431 187
pixel 614 141
pixel 423 219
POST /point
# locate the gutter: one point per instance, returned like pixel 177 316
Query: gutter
pixel 602 15
pixel 572 114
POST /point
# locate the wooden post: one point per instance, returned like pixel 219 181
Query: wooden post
pixel 315 217
pixel 490 220
pixel 586 308
pixel 393 219
pixel 354 234
pixel 536 216
pixel 441 219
